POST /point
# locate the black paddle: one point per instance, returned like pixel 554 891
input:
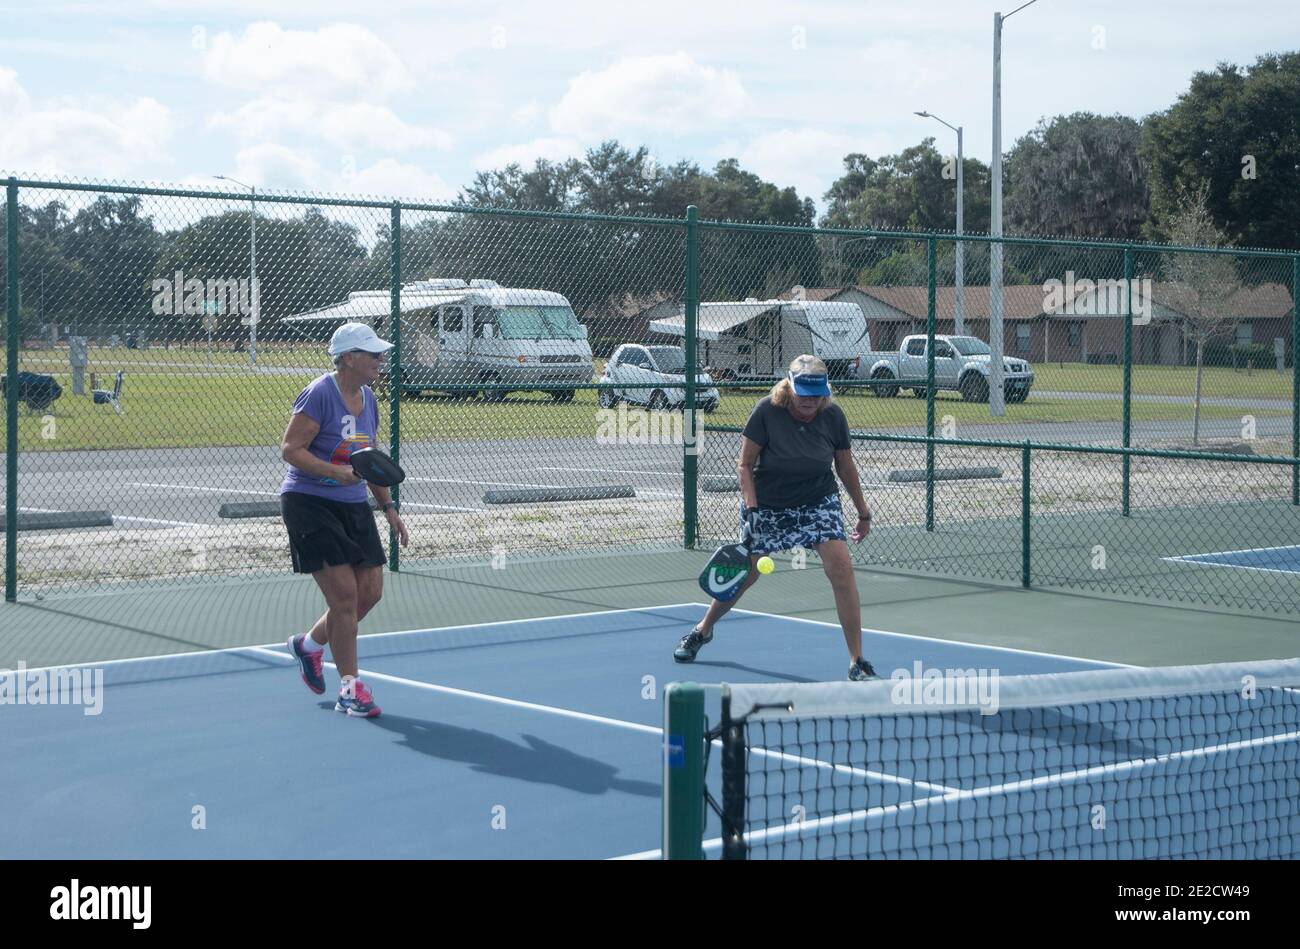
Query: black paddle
pixel 376 467
pixel 727 569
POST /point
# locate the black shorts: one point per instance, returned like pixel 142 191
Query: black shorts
pixel 330 533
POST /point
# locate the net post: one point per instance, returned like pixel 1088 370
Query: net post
pixel 1128 376
pixel 733 782
pixel 683 750
pixel 932 270
pixel 395 366
pixel 11 392
pixel 691 304
pixel 1025 556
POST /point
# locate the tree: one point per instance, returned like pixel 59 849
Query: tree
pixel 1227 125
pixel 913 190
pixel 1078 176
pixel 1199 286
pixel 116 246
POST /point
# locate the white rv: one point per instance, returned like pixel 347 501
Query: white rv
pixel 758 339
pixel 477 333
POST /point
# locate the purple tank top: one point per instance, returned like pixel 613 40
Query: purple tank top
pixel 341 433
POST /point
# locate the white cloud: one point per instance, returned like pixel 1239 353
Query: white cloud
pixel 808 159
pixel 671 93
pixel 526 114
pixel 526 155
pixel 93 136
pixel 339 59
pixel 393 179
pixel 277 167
pixel 350 126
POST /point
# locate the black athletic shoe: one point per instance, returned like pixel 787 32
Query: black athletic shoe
pixel 861 671
pixel 691 644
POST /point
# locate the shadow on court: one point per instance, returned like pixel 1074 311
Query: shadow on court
pixel 537 761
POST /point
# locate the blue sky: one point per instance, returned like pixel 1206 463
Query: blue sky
pixel 410 99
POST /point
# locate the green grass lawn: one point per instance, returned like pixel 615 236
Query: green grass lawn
pixel 1217 381
pixel 168 409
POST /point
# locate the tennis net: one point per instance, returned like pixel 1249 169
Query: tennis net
pixel 1126 763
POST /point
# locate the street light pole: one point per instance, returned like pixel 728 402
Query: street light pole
pixel 959 310
pixel 255 296
pixel 997 405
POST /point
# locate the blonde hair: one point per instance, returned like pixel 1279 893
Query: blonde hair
pixel 783 391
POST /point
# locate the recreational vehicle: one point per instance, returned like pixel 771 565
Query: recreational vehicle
pixel 476 334
pixel 758 339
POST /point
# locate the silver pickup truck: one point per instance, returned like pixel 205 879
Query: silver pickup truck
pixel 961 363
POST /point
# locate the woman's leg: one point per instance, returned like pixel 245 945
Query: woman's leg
pixel 838 564
pixel 718 608
pixel 370 590
pixel 339 584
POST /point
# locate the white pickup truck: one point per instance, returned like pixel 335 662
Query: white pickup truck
pixel 961 363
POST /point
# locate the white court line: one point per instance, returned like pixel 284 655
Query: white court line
pixel 490 484
pixel 117 518
pixel 678 473
pixel 398 632
pixel 282 653
pixel 1248 550
pixel 153 520
pixel 278 651
pixel 931 639
pixel 275 494
pixel 1234 566
pixel 198 487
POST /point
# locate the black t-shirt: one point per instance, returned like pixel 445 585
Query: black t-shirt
pixel 795 467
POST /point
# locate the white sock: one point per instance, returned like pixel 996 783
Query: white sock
pixel 310 645
pixel 345 686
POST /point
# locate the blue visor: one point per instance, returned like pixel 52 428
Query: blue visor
pixel 810 383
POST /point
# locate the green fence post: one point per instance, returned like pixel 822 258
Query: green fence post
pixel 690 450
pixel 1295 377
pixel 11 391
pixel 932 267
pixel 395 366
pixel 1128 375
pixel 1025 459
pixel 683 795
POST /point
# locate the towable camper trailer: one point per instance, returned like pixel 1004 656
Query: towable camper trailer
pixel 758 339
pixel 476 334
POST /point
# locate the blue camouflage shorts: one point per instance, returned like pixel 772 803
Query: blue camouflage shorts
pixel 790 527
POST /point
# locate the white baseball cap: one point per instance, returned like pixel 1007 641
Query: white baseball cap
pixel 351 336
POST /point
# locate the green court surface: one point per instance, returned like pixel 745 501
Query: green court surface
pixel 154 619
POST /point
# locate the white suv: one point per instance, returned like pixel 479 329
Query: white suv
pixel 658 374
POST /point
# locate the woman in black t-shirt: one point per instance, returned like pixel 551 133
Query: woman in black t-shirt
pixel 792 441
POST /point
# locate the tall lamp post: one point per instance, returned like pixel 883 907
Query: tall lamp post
pixel 254 293
pixel 959 311
pixel 996 403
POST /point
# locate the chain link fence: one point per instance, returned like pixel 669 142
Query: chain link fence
pixel 540 395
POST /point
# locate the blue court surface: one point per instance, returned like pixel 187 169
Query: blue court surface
pixel 1268 559
pixel 532 739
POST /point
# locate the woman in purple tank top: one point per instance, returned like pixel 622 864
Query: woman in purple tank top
pixel 332 533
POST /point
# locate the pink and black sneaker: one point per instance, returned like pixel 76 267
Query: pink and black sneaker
pixel 311 664
pixel 360 704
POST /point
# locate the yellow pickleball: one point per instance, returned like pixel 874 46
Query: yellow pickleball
pixel 765 565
